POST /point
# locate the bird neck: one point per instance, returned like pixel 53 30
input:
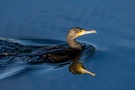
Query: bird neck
pixel 73 43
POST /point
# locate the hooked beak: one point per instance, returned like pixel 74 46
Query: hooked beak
pixel 83 32
pixel 84 71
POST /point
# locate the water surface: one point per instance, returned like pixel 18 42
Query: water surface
pixel 113 20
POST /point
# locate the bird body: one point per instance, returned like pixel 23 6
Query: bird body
pixel 25 55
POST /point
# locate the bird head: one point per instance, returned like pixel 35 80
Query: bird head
pixel 78 68
pixel 77 31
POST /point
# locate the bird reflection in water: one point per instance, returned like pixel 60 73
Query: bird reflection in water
pixel 18 54
pixel 77 68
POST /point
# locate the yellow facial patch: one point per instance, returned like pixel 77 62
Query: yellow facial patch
pixel 81 33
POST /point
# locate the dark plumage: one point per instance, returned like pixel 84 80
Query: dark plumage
pixel 70 52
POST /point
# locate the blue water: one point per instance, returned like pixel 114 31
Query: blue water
pixel 113 62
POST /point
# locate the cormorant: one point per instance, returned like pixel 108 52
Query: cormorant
pixel 62 54
pixel 16 53
pixel 72 52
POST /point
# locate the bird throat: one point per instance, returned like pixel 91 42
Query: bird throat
pixel 74 44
